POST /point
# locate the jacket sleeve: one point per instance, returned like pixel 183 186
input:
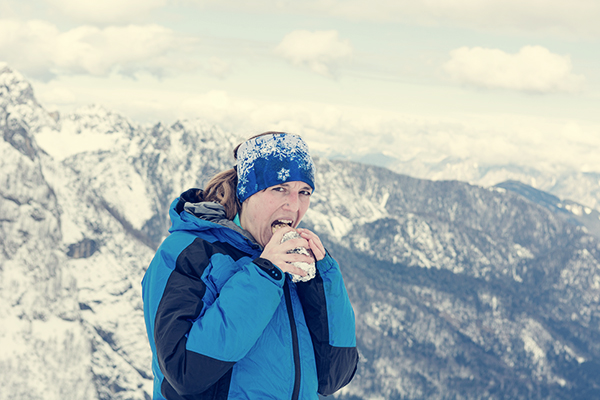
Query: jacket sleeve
pixel 198 342
pixel 330 320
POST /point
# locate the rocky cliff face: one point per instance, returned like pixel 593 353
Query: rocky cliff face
pixel 459 291
pixel 69 271
pixel 45 350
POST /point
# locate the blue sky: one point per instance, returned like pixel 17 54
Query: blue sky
pixel 493 81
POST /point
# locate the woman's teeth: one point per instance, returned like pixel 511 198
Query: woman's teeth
pixel 280 224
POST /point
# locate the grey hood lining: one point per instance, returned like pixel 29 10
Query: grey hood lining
pixel 215 212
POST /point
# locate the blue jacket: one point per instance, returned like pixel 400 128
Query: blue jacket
pixel 225 324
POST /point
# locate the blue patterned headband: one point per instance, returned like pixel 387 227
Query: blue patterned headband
pixel 270 160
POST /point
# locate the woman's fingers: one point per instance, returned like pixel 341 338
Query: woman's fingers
pixel 314 243
pixel 279 253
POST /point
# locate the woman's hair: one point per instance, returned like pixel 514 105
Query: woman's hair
pixel 222 188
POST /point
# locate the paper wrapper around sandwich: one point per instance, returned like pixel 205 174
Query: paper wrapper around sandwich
pixel 308 267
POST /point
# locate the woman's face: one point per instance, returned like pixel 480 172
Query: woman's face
pixel 280 204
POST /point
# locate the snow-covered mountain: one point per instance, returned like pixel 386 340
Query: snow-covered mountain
pixel 465 292
pixel 460 291
pixel 564 183
pixel 70 270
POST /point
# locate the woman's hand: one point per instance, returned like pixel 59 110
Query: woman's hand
pixel 314 243
pixel 277 252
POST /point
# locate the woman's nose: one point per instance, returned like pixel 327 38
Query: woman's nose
pixel 292 202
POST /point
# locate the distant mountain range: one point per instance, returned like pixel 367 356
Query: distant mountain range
pixel 573 185
pixel 460 291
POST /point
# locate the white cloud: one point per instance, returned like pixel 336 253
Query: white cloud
pixel 330 130
pixel 336 129
pixel 532 69
pixel 579 17
pixel 320 51
pixel 218 67
pixel 354 130
pixel 106 11
pixel 40 50
pixel 57 95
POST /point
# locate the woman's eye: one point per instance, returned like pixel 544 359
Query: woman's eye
pixel 305 193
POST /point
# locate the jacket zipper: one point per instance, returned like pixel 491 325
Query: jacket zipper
pixel 290 310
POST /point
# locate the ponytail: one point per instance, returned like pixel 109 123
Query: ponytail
pixel 222 189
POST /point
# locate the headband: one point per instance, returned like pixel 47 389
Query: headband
pixel 270 160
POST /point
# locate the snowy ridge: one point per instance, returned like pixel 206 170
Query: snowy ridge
pixel 334 210
pixel 577 186
pixel 18 103
pixel 90 129
pixel 459 291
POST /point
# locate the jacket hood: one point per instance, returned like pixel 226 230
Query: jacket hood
pixel 189 212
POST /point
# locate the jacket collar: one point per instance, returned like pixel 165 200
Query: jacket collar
pixel 190 213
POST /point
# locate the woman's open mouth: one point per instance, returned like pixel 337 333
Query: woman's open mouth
pixel 280 223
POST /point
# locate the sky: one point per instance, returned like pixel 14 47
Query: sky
pixel 493 81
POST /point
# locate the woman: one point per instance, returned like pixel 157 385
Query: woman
pixel 224 317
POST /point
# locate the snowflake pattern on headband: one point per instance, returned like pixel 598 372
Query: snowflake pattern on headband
pixel 283 174
pixel 278 157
